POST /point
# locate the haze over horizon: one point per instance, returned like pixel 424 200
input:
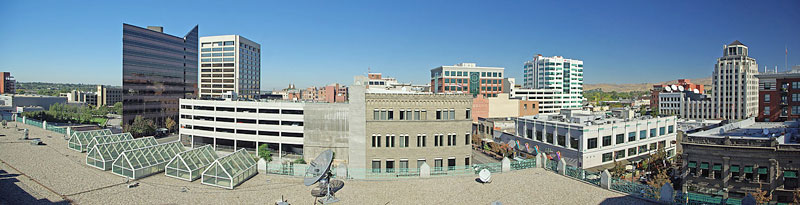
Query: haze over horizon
pixel 318 43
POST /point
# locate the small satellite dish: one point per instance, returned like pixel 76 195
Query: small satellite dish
pixel 485 176
pixel 674 87
pixel 766 131
pixel 319 170
pixel 696 91
pixel 668 89
pixel 680 88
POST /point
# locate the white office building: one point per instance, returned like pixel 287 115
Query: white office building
pixel 229 63
pixel 588 140
pixel 557 80
pixel 229 125
pixel 734 84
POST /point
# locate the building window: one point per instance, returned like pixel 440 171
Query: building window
pixel 734 172
pixel 631 136
pixel 562 140
pixel 468 116
pixel 692 167
pixel 795 97
pixel 642 149
pixel 467 139
pixel 795 110
pixel 452 114
pixel 437 165
pixel 790 179
pixel 643 134
pixel 376 166
pixel 632 151
pixel 620 138
pixel 766 110
pixel 466 162
pixel 606 140
pixel 573 143
pixel 671 129
pixel 389 166
pixel 438 114
pixel 421 140
pixel 420 162
pixel 653 132
pixel 592 143
pixel 403 141
pixel 403 166
pixel 662 130
pixel 550 138
pixel 766 98
pixel 607 157
pixel 620 154
pixel 748 173
pixel 539 136
pixel 717 168
pixel 451 164
pixel 376 141
pixel 389 141
pixel 763 175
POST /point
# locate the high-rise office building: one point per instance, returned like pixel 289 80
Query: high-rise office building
pixel 158 69
pixel 467 78
pixel 734 84
pixel 229 63
pixel 556 82
pixel 7 83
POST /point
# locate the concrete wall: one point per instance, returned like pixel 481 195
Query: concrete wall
pixel 326 127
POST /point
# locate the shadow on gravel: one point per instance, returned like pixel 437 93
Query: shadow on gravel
pixel 13 194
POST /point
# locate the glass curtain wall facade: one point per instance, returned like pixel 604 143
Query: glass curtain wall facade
pixel 157 70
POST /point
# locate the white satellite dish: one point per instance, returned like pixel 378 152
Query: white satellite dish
pixel 680 88
pixel 674 87
pixel 766 131
pixel 319 170
pixel 668 89
pixel 485 176
pixel 696 91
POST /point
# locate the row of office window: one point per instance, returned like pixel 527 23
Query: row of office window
pixel 416 114
pixel 243 131
pixel 217 54
pixel 633 151
pixel 217 49
pixel 741 173
pixel 245 110
pixel 466 74
pixel 404 140
pixel 402 166
pixel 620 138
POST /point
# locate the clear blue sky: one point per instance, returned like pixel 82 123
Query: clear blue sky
pixel 317 43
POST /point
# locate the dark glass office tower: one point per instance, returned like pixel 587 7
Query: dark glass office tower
pixel 158 69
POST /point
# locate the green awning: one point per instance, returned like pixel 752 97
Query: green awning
pixel 734 168
pixel 717 167
pixel 789 174
pixel 762 170
pixel 703 165
pixel 692 164
pixel 748 169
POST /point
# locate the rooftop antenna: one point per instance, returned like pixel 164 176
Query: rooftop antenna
pixel 319 170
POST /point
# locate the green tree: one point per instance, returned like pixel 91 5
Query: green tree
pixel 169 123
pixel 619 169
pixel 265 153
pixel 118 108
pixel 141 126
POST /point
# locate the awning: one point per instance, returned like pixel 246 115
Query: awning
pixel 789 174
pixel 692 164
pixel 703 165
pixel 717 167
pixel 748 169
pixel 762 170
pixel 734 168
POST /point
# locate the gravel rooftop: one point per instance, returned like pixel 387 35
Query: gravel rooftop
pixel 54 174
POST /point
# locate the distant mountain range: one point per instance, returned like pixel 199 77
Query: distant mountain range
pixel 608 87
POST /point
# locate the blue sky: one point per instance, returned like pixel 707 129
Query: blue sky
pixel 321 42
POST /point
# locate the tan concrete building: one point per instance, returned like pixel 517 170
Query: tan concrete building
pixel 108 95
pixel 502 106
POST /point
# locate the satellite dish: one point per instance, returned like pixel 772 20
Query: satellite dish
pixel 674 87
pixel 696 91
pixel 669 89
pixel 680 88
pixel 319 170
pixel 766 131
pixel 485 176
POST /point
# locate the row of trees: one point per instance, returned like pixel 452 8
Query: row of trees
pixel 599 95
pixel 144 127
pixel 68 113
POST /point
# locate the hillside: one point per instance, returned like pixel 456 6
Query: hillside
pixel 608 87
